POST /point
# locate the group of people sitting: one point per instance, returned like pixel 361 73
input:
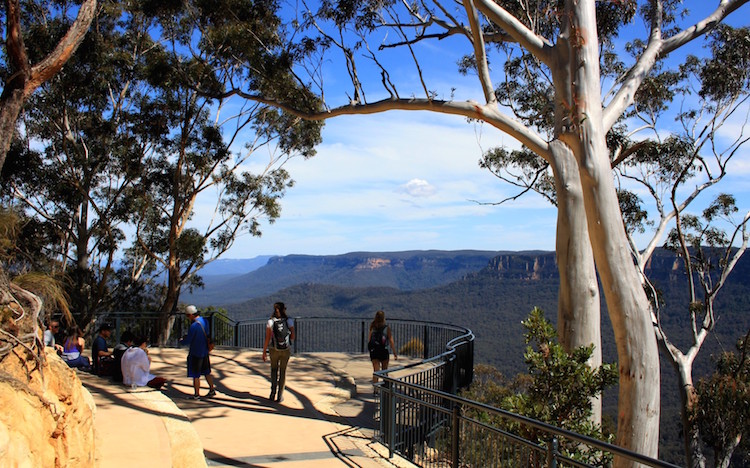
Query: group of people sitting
pixel 128 362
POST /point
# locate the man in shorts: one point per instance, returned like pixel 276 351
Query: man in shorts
pixel 198 362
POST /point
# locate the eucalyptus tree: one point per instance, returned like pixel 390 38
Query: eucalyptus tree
pixel 722 411
pixel 231 151
pixel 82 154
pixel 665 177
pixel 134 149
pixel 20 75
pixel 365 35
pixel 677 166
pixel 20 78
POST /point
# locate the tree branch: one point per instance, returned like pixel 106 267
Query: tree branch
pixel 469 109
pixel 67 46
pixel 659 48
pixel 535 44
pixel 480 54
pixel 635 76
pixel 700 28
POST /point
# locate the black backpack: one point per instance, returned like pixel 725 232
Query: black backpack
pixel 378 340
pixel 281 333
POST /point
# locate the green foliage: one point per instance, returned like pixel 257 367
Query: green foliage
pixel 633 214
pixel 137 144
pixel 726 73
pixel 562 383
pixel 557 389
pixel 722 410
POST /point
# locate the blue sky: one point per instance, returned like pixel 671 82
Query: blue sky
pixel 410 181
pixel 400 181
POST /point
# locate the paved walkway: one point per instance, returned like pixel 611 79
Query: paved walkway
pixel 326 418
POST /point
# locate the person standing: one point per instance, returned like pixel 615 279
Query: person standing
pixel 379 339
pixel 198 362
pixel 279 337
pixel 136 366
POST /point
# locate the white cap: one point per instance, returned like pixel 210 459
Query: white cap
pixel 191 310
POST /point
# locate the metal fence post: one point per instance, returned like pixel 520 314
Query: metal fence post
pixel 455 433
pixel 391 419
pixel 552 453
pixel 363 337
pixel 296 334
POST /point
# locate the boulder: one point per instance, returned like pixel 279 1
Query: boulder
pixel 47 416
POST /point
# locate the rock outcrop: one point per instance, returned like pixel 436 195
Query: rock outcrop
pixel 47 417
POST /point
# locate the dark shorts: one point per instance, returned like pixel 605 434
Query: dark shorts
pixel 379 355
pixel 198 366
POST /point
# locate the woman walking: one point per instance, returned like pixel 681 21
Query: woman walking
pixel 378 340
pixel 279 337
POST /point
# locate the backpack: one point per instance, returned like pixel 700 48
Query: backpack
pixel 281 333
pixel 378 340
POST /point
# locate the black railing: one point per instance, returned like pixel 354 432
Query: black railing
pixel 433 428
pixel 419 415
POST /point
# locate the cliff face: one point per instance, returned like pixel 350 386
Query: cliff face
pixel 47 416
pixel 535 267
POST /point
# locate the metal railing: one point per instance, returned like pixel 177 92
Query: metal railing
pixel 433 428
pixel 418 415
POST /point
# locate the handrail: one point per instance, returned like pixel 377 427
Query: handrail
pixel 450 402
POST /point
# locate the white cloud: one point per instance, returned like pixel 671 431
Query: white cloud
pixel 418 188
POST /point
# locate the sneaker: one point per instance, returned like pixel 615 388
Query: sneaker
pixel 210 394
pixel 194 397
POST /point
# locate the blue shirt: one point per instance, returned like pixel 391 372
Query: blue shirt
pixel 196 339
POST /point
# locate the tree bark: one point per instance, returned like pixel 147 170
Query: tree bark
pixel 628 306
pixel 578 311
pixel 691 434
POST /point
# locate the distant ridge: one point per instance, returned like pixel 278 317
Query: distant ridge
pixel 409 270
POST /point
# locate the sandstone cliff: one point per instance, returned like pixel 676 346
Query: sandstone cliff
pixel 47 417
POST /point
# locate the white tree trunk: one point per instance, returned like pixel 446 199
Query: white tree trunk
pixel 629 309
pixel 578 311
pixel 688 398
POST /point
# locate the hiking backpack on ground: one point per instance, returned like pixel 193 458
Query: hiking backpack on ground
pixel 281 333
pixel 378 340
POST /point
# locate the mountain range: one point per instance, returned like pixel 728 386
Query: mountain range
pixel 488 292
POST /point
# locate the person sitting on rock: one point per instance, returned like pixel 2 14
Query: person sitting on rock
pixel 72 352
pixel 49 335
pixel 100 354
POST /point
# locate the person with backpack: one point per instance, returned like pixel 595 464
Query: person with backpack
pixel 279 337
pixel 378 342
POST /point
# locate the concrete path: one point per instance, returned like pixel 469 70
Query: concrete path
pixel 325 420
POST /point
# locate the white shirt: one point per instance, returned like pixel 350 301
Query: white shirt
pixel 49 338
pixel 135 367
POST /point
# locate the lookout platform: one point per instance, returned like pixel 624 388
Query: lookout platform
pixel 325 420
